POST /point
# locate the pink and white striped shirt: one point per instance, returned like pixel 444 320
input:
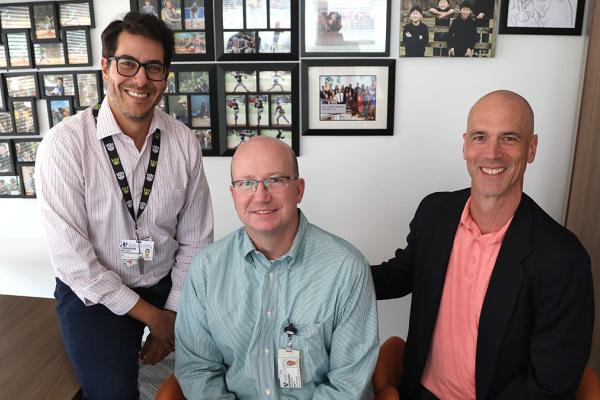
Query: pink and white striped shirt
pixel 85 216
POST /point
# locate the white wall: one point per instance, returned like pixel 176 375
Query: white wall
pixel 367 189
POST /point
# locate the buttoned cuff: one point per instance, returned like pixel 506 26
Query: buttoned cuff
pixel 123 301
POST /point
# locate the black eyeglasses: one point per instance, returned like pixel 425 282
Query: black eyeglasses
pixel 129 67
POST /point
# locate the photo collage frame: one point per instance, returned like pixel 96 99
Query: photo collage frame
pixel 17 167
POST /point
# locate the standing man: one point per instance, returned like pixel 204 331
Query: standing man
pixel 502 297
pixel 278 309
pixel 114 181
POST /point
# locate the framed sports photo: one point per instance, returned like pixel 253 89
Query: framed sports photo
pixel 21 84
pixel 88 89
pixel 10 186
pixel 7 165
pixel 348 97
pixel 18 49
pixel 27 175
pixel 78 48
pixel 346 28
pixel 24 116
pixel 26 149
pixel 14 16
pixel 256 30
pixel 59 108
pixel 44 22
pixel 541 18
pixel 258 99
pixel 49 54
pixel 76 13
pixel 57 83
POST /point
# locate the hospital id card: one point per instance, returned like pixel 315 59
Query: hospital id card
pixel 137 250
pixel 288 369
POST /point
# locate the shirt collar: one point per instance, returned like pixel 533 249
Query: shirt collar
pixel 107 124
pixel 467 221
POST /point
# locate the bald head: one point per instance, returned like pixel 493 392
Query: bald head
pixel 264 147
pixel 508 102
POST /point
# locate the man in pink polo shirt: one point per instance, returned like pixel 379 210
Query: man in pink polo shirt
pixel 502 296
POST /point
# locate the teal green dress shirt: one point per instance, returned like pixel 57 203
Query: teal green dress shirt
pixel 236 304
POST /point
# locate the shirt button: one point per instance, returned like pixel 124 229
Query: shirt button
pixel 268 391
pixel 473 260
pixel 266 351
pixel 270 275
pixel 269 314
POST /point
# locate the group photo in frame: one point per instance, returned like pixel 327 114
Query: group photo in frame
pixel 348 97
pixel 255 30
pixel 448 28
pixel 10 186
pixel 523 17
pixel 191 22
pixel 7 163
pixel 258 99
pixel 26 150
pixel 346 28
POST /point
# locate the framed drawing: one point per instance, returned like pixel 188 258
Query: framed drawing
pixel 348 97
pixel 21 84
pixel 18 49
pixel 76 13
pixel 7 165
pixel 59 108
pixel 56 83
pixel 77 41
pixel 26 149
pixel 49 54
pixel 25 116
pixel 27 175
pixel 88 88
pixel 191 22
pixel 15 16
pixel 346 28
pixel 44 22
pixel 10 186
pixel 258 99
pixel 542 18
pixel 256 30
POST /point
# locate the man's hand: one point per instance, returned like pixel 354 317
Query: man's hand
pixel 162 326
pixel 154 351
pixel 161 323
pixel 451 52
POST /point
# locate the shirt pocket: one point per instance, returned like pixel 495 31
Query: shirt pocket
pixel 164 205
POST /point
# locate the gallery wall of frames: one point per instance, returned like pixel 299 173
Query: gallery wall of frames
pixel 239 65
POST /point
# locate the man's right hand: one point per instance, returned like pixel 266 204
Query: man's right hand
pixel 160 322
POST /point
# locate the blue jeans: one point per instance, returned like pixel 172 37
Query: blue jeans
pixel 104 347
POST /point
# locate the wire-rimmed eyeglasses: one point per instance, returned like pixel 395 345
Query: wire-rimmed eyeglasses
pixel 272 185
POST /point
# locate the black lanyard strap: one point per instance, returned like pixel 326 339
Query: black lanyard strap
pixel 115 162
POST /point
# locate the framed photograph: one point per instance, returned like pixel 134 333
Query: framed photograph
pixel 76 13
pixel 26 149
pixel 191 46
pixel 348 97
pixel 170 13
pixel 25 116
pixel 258 99
pixel 7 165
pixel 15 17
pixel 10 186
pixel 193 82
pixel 59 108
pixel 178 107
pixel 49 54
pixel 3 104
pixel 27 175
pixel 57 83
pixel 21 85
pixel 256 30
pixel 3 62
pixel 7 128
pixel 541 18
pixel 44 22
pixel 77 42
pixel 205 137
pixel 171 82
pixel 88 89
pixel 18 49
pixel 346 28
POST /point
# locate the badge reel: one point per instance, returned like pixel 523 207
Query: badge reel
pixel 288 363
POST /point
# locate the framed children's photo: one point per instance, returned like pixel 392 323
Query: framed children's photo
pixel 57 83
pixel 25 116
pixel 18 49
pixel 78 46
pixel 15 17
pixel 27 175
pixel 541 17
pixel 76 13
pixel 26 149
pixel 256 30
pixel 346 28
pixel 89 89
pixel 59 108
pixel 22 84
pixel 44 22
pixel 348 97
pixel 10 186
pixel 7 165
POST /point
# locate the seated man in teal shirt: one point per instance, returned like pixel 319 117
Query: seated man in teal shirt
pixel 276 294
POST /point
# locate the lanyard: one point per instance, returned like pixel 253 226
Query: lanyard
pixel 115 162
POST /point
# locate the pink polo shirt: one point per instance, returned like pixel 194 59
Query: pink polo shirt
pixel 450 369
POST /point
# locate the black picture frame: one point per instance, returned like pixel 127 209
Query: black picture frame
pixel 330 25
pixel 27 175
pixel 44 20
pixel 532 24
pixel 68 14
pixel 59 108
pixel 14 84
pixel 18 38
pixel 15 190
pixel 11 12
pixel 25 150
pixel 24 125
pixel 3 96
pixel 49 54
pixel 351 119
pixel 242 36
pixel 259 93
pixel 7 125
pixel 197 83
pixel 7 159
pixel 84 82
pixel 50 85
pixel 78 50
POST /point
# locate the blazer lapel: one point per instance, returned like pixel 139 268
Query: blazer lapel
pixel 501 296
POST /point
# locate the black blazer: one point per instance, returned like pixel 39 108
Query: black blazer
pixel 537 317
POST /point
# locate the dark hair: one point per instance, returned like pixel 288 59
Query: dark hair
pixel 465 4
pixel 416 8
pixel 146 25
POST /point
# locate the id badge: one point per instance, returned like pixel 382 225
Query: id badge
pixel 288 369
pixel 135 250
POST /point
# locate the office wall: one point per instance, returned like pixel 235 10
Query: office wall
pixel 366 189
